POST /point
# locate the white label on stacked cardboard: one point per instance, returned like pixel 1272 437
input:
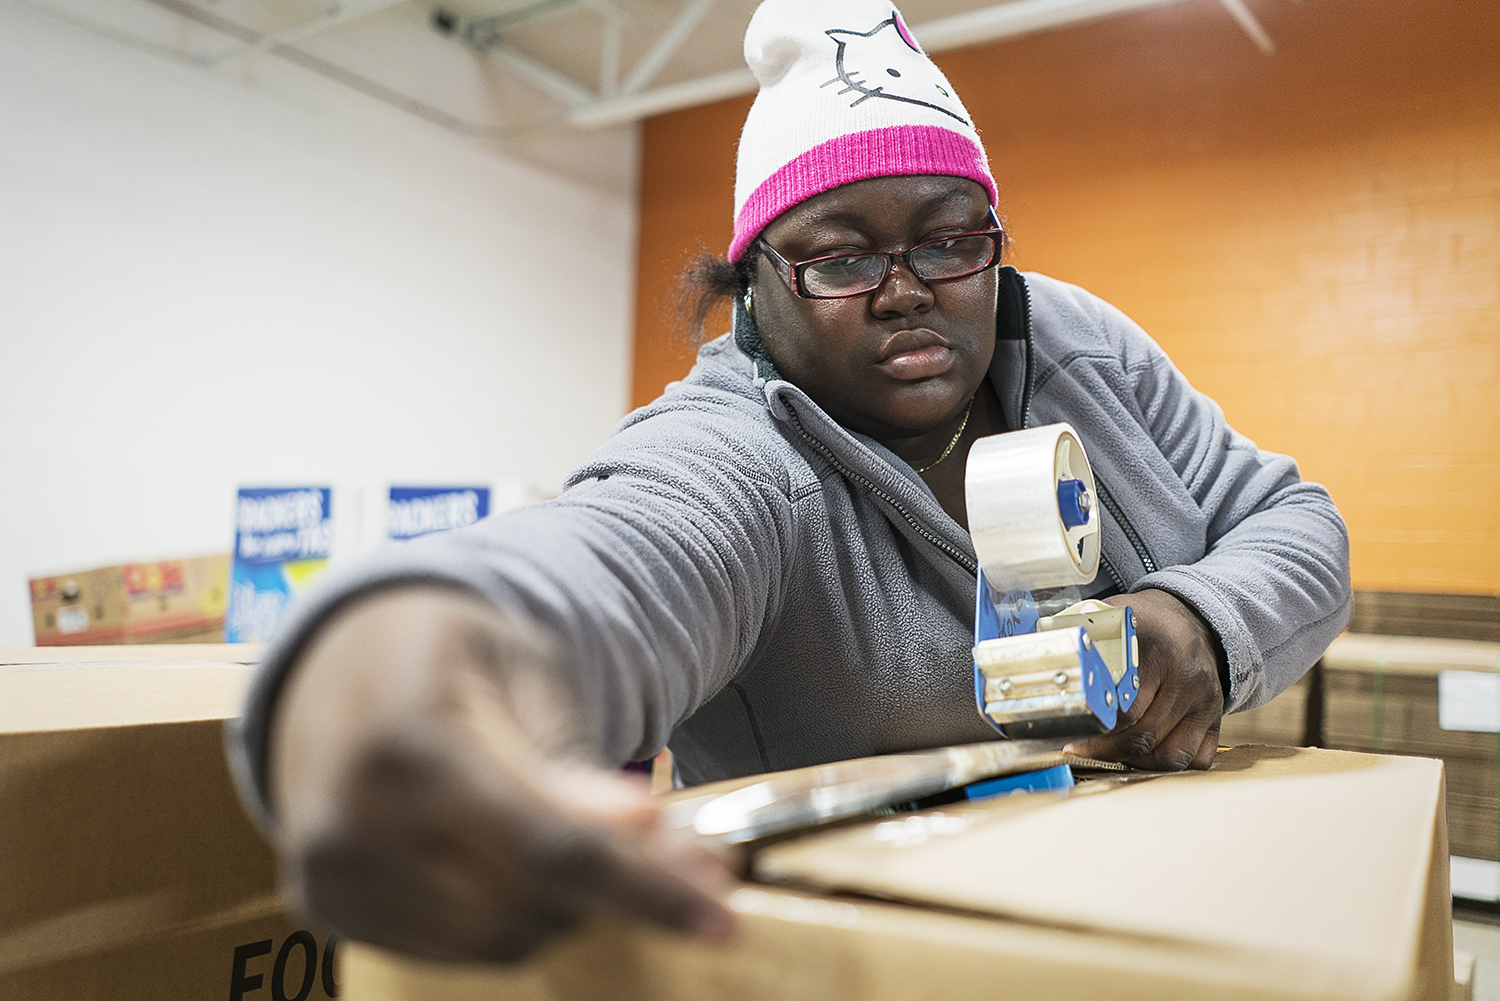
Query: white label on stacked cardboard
pixel 1474 878
pixel 1469 700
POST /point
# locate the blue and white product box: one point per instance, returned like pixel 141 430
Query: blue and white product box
pixel 282 540
pixel 416 511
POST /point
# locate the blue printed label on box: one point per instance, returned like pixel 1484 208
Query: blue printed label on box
pixel 283 538
pixel 417 511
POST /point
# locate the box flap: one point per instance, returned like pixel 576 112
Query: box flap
pixel 83 695
pixel 1314 859
pixel 229 653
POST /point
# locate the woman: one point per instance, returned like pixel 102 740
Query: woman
pixel 768 566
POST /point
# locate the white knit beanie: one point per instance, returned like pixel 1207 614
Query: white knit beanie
pixel 846 93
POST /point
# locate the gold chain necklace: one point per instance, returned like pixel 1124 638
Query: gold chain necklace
pixel 952 444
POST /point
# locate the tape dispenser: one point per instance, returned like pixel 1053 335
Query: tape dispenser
pixel 1035 523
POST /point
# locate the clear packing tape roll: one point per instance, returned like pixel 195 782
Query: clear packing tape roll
pixel 1030 497
pixel 1032 515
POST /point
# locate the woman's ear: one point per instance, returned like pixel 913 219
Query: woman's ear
pixel 759 271
pixel 746 332
pixel 742 320
pixel 755 275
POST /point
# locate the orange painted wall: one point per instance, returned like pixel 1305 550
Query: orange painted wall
pixel 1313 236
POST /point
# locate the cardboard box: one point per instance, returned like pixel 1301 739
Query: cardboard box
pixel 283 537
pixel 1382 693
pixel 129 869
pixel 168 601
pixel 1281 873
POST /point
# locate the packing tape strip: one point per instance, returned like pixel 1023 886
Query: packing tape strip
pixel 1032 510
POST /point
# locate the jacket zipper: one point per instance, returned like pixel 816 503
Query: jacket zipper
pixel 1119 582
pixel 942 545
pixel 1119 515
pixel 1030 385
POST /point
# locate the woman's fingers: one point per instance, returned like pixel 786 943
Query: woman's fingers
pixel 426 800
pixel 392 900
pixel 671 879
pixel 613 855
pixel 1170 738
pixel 1208 747
pixel 437 853
pixel 1165 737
pixel 1174 723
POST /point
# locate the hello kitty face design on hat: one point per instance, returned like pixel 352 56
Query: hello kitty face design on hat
pixel 886 63
pixel 885 110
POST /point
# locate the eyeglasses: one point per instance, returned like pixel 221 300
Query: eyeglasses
pixel 843 275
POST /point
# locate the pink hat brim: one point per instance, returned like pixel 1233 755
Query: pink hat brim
pixel 887 152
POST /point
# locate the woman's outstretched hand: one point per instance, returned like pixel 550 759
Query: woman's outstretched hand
pixel 430 797
pixel 1174 723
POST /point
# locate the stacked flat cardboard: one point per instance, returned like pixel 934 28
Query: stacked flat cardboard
pixel 1280 873
pixel 1281 721
pixel 128 868
pixel 169 601
pixel 1381 693
pixel 1449 616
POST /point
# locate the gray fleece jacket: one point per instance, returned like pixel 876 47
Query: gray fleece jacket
pixel 738 575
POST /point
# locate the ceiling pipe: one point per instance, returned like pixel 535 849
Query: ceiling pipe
pixel 540 75
pixel 666 46
pixel 611 49
pixel 702 90
pixel 1006 20
pixel 486 31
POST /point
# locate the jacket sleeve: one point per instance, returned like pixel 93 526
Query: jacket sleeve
pixel 654 572
pixel 1274 580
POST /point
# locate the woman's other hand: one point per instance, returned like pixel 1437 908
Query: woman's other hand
pixel 1174 723
pixel 429 799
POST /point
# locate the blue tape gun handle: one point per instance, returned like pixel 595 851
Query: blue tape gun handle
pixel 1130 681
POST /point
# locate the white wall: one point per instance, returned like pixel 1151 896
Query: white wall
pixel 209 281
